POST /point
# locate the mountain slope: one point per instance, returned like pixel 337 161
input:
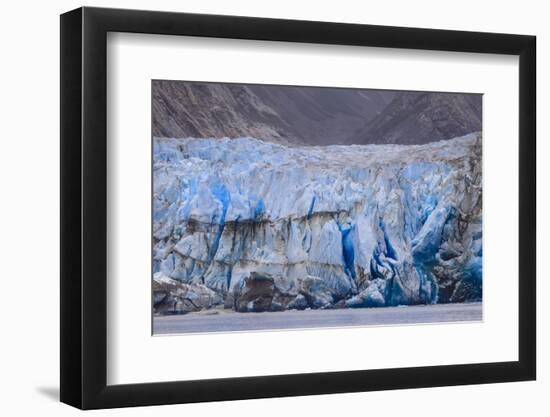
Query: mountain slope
pixel 310 115
pixel 416 118
pixel 281 114
pixel 323 116
pixel 182 109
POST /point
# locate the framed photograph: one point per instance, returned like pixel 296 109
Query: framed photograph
pixel 256 207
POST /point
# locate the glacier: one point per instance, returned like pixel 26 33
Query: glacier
pixel 259 226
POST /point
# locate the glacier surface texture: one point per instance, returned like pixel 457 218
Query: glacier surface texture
pixel 259 226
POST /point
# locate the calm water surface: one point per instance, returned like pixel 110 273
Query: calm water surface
pixel 227 321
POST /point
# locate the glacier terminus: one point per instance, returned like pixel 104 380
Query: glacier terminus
pixel 251 226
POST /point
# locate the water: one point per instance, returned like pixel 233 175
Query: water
pixel 227 321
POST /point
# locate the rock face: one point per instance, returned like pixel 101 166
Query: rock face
pixel 311 115
pixel 258 226
pixel 185 109
pixel 281 114
pixel 418 118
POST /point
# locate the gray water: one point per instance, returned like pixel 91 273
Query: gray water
pixel 228 321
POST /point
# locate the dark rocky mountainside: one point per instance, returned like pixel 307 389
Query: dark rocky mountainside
pixel 182 109
pixel 323 116
pixel 310 115
pixel 283 114
pixel 417 118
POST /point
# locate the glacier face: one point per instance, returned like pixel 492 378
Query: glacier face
pixel 260 226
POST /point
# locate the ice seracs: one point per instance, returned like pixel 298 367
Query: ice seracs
pixel 327 227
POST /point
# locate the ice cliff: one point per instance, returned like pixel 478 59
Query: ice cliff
pixel 259 226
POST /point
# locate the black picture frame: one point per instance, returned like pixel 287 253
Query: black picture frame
pixel 84 207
